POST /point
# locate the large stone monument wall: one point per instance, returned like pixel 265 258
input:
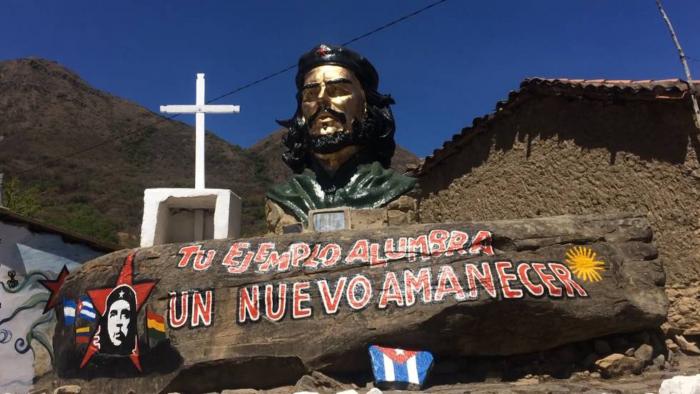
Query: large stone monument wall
pixel 224 313
pixel 580 148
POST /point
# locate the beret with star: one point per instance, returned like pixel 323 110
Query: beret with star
pixel 336 55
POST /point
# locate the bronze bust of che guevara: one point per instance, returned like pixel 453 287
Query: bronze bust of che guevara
pixel 340 140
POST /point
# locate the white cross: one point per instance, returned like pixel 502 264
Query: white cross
pixel 199 109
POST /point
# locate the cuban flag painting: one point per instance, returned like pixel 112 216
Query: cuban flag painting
pixel 68 312
pixel 86 310
pixel 399 368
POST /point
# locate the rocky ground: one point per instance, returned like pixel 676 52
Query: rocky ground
pixel 647 381
pixel 633 363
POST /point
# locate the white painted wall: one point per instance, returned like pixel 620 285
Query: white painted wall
pixel 22 250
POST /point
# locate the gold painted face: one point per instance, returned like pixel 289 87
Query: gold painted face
pixel 336 88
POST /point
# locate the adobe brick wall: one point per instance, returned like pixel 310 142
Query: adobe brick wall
pixel 554 155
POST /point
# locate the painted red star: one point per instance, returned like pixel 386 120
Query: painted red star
pixel 99 300
pixel 398 355
pixel 54 286
pixel 323 50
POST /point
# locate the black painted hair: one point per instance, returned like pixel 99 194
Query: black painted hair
pixel 129 343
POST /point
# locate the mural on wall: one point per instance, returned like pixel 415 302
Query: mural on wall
pixel 198 300
pixel 110 331
pixel 494 278
pixel 54 286
pixel 155 328
pixel 118 307
pixel 583 263
pixel 399 369
pixel 191 308
pixel 12 282
pixel 25 343
pixel 28 257
pixel 5 335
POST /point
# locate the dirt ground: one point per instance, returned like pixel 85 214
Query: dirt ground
pixel 583 382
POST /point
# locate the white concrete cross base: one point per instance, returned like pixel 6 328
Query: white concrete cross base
pixel 187 215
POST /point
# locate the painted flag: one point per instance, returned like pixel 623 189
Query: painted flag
pixel 82 335
pixel 398 368
pixel 68 312
pixel 85 309
pixel 155 325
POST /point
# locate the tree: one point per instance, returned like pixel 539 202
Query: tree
pixel 681 55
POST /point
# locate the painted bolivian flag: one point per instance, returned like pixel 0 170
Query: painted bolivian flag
pixel 155 324
pixel 82 335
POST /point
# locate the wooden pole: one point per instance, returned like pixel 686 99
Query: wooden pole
pixel 681 54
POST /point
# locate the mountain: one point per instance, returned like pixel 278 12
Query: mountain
pixel 49 114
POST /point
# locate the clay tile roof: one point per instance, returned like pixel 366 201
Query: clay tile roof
pixel 625 89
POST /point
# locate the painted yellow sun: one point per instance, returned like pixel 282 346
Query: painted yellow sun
pixel 583 263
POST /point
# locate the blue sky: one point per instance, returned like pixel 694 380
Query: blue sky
pixel 444 67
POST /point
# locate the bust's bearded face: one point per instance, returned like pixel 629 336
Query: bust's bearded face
pixel 332 98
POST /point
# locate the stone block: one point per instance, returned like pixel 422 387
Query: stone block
pixel 367 219
pixel 644 353
pixel 616 365
pixel 672 346
pixel 313 301
pixel 318 382
pixel 659 361
pixel 68 389
pixel 397 218
pixel 686 346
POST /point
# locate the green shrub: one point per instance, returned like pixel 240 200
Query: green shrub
pixel 86 220
pixel 21 200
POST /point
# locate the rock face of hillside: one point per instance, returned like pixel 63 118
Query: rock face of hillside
pixel 49 113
